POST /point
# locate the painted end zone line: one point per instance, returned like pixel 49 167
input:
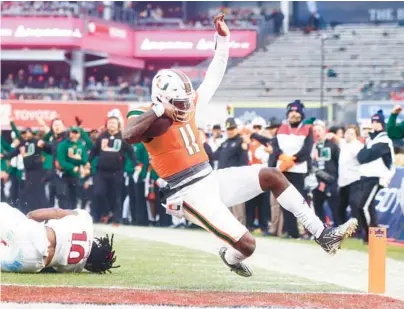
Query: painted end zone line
pixel 105 296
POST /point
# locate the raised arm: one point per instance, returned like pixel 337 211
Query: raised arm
pixel 217 67
pixel 394 130
pixel 86 138
pixel 15 129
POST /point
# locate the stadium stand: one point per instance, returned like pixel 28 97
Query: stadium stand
pixel 290 67
pixel 22 87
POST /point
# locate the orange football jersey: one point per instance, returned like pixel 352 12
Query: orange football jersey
pixel 176 150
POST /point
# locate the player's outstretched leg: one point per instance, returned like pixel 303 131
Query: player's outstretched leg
pixel 330 239
pixel 233 257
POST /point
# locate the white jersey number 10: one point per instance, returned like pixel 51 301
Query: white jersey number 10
pixel 77 251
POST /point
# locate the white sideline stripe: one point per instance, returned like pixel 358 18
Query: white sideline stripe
pixel 349 267
pixel 183 290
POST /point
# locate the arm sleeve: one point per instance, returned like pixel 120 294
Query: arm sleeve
pixel 5 145
pixel 273 158
pixel 216 70
pixel 95 150
pixel 15 130
pixel 47 148
pixel 261 139
pixel 304 153
pixel 61 158
pixel 243 154
pixel 394 130
pixel 130 152
pixel 86 139
pixel 47 136
pixel 243 157
pixel 336 152
pixel 373 153
pixel 209 152
pixel 14 152
pixel 216 154
pixel 84 155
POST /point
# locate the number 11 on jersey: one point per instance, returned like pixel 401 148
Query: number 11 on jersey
pixel 189 139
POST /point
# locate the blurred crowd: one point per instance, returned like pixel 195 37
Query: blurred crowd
pixel 383 90
pixel 338 169
pixel 235 16
pixel 134 12
pixel 38 8
pixel 23 86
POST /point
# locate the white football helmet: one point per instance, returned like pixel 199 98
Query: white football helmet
pixel 174 87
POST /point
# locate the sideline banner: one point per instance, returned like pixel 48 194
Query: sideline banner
pixel 56 32
pixel 190 43
pixel 390 206
pixel 117 39
pixel 26 113
pixel 66 33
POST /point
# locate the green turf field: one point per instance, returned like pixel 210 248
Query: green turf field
pixel 156 265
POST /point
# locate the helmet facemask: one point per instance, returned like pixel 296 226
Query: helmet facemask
pixel 183 109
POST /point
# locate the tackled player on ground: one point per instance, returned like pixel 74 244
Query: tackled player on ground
pixel 52 240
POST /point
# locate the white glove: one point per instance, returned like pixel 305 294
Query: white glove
pixel 136 174
pixel 161 183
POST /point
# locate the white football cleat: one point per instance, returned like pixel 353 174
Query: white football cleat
pixel 332 237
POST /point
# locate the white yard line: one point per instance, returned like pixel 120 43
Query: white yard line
pixel 348 268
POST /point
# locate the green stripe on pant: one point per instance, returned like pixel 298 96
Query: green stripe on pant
pixel 209 226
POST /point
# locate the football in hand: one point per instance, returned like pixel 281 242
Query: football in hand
pixel 159 127
pixel 220 25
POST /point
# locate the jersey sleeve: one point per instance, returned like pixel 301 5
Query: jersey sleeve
pixel 137 112
pixel 216 69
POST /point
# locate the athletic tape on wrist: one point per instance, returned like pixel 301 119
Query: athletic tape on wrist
pixel 158 109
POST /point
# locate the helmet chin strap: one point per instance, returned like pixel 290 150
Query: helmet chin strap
pixel 182 116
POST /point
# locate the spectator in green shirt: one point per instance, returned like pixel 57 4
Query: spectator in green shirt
pixel 148 209
pixel 129 197
pixel 71 154
pixel 142 157
pixel 16 174
pixel 394 130
pixel 4 148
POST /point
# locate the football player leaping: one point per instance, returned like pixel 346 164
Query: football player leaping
pixel 52 240
pixel 196 192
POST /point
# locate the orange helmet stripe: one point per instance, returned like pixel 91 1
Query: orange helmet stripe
pixel 185 80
